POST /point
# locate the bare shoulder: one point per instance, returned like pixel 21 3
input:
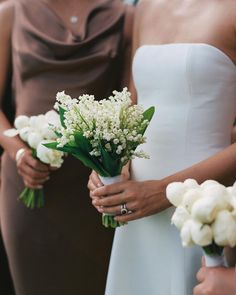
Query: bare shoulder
pixel 6 15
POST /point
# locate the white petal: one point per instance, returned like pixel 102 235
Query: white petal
pixel 11 132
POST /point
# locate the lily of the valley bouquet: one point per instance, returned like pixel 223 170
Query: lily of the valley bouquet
pixel 103 134
pixel 36 131
pixel 205 216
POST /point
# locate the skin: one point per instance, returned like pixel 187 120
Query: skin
pixel 33 172
pixel 215 281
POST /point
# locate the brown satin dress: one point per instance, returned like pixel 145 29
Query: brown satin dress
pixel 61 249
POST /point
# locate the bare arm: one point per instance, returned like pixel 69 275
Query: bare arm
pixel 11 145
pixel 33 172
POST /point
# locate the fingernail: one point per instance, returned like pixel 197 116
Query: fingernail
pixel 48 178
pixel 39 186
pixel 94 202
pixel 99 185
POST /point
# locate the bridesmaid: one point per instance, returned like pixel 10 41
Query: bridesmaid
pixel 55 45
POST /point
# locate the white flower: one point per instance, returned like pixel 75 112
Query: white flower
pixel 36 122
pixel 218 194
pixel 47 132
pixel 53 118
pixel 224 229
pixel 175 192
pixel 190 197
pixel 205 209
pixel 21 122
pixel 34 139
pixel 11 132
pixel 24 133
pixel 209 183
pixel 185 234
pixel 191 183
pixel 180 216
pixel 49 156
pixel 201 233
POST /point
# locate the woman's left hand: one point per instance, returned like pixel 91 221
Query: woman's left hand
pixel 140 198
pixel 216 281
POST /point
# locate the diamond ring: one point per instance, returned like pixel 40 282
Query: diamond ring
pixel 123 209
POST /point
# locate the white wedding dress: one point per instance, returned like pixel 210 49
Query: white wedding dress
pixel 193 88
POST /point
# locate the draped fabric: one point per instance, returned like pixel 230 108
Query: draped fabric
pixel 61 249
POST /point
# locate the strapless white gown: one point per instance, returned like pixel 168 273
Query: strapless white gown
pixel 193 87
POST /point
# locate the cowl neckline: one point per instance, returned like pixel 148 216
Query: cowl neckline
pixel 37 13
pixel 83 18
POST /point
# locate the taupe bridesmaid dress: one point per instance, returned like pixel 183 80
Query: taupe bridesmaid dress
pixel 61 249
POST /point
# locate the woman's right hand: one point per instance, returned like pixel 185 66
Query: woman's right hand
pixel 95 182
pixel 33 172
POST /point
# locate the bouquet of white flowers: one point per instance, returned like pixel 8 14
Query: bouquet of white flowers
pixel 102 134
pixel 205 216
pixel 36 131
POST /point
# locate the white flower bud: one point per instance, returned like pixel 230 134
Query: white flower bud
pixel 49 156
pixel 175 192
pixel 218 194
pixel 34 139
pixel 224 229
pixel 190 197
pixel 209 183
pixel 191 183
pixel 204 210
pixel 21 122
pixel 185 234
pixel 11 132
pixel 179 217
pixel 53 118
pixel 201 233
pixel 24 133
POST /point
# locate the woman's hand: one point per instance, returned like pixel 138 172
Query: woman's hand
pixel 216 281
pixel 33 172
pixel 95 182
pixel 140 198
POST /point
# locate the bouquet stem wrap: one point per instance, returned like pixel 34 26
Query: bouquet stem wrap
pixel 214 256
pixel 108 219
pixel 215 260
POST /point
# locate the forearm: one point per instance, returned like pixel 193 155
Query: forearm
pixel 10 144
pixel 220 167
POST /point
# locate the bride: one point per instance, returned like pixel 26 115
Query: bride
pixel 184 65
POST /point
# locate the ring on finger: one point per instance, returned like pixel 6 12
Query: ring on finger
pixel 123 209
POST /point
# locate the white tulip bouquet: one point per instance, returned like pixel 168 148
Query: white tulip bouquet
pixel 36 131
pixel 103 134
pixel 205 216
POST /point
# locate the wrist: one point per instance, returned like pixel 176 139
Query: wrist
pixel 159 189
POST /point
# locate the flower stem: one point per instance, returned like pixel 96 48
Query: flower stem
pixel 32 198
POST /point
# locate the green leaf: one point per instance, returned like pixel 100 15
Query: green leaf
pixel 82 142
pixel 147 115
pixel 62 116
pixel 109 163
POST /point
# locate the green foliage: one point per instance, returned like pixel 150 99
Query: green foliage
pixel 62 117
